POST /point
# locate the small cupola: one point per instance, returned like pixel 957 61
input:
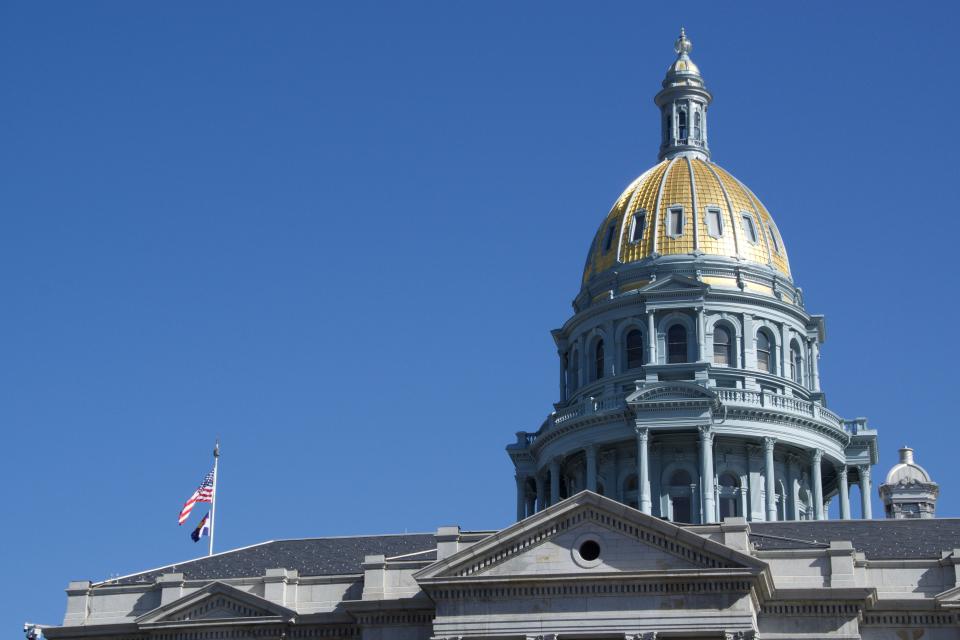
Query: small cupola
pixel 909 491
pixel 683 105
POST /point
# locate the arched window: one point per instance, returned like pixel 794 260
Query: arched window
pixel 796 363
pixel 764 352
pixel 666 129
pixel 680 496
pixel 631 493
pixel 721 346
pixel 696 126
pixel 573 372
pixel 634 349
pixel 729 495
pixel 677 344
pixel 682 126
pixel 598 360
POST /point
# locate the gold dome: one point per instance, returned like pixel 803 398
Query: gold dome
pixel 637 226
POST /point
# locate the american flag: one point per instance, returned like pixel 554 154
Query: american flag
pixel 204 493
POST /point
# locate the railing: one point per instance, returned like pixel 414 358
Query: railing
pixel 732 397
pixel 786 404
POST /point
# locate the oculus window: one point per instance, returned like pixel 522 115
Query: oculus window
pixel 750 228
pixel 675 222
pixel 608 239
pixel 637 226
pixel 714 223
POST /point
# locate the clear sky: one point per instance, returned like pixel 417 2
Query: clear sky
pixel 338 234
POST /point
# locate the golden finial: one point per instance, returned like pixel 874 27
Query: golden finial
pixel 682 45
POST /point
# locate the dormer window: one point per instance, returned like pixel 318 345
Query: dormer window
pixel 714 222
pixel 773 238
pixel 675 222
pixel 608 239
pixel 637 226
pixel 750 228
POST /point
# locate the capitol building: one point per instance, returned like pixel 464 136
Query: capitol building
pixel 681 486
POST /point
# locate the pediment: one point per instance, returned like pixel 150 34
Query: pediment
pixel 675 283
pixel 216 601
pixel 673 392
pixel 549 543
pixel 949 599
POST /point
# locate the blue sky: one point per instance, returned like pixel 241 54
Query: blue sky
pixel 336 235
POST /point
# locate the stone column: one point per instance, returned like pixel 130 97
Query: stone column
pixel 865 505
pixel 784 350
pixel 815 365
pixel 815 461
pixel 591 452
pixel 643 469
pixel 521 497
pixel 844 492
pixel 555 481
pixel 701 337
pixel 706 475
pixel 541 492
pixel 651 339
pixel 768 444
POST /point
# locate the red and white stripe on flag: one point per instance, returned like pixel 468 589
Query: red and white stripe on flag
pixel 204 493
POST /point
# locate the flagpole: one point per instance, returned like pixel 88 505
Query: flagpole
pixel 213 501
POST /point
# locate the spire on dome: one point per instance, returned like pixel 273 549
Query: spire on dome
pixel 683 104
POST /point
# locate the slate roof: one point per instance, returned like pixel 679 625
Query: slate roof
pixel 877 539
pixel 309 556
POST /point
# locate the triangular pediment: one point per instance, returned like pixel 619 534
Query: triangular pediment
pixel 672 391
pixel 216 601
pixel 553 541
pixel 675 283
pixel 949 599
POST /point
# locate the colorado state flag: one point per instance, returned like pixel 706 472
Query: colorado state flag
pixel 203 529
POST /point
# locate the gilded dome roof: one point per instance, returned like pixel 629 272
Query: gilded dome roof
pixel 718 216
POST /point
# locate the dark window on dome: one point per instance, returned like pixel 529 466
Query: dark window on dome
pixel 682 126
pixel 639 223
pixel 750 228
pixel 696 126
pixel 714 223
pixel 796 363
pixel 677 344
pixel 764 352
pixel 773 238
pixel 721 347
pixel 598 360
pixel 608 239
pixel 675 222
pixel 634 349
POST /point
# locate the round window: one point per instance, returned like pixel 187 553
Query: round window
pixel 586 551
pixel 590 550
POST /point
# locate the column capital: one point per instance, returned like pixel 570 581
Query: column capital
pixel 706 433
pixel 864 470
pixel 842 471
pixel 590 449
pixel 643 433
pixel 816 456
pixel 768 443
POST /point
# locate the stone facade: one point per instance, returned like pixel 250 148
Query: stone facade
pixel 586 567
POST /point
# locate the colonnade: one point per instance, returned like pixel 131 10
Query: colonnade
pixel 529 501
